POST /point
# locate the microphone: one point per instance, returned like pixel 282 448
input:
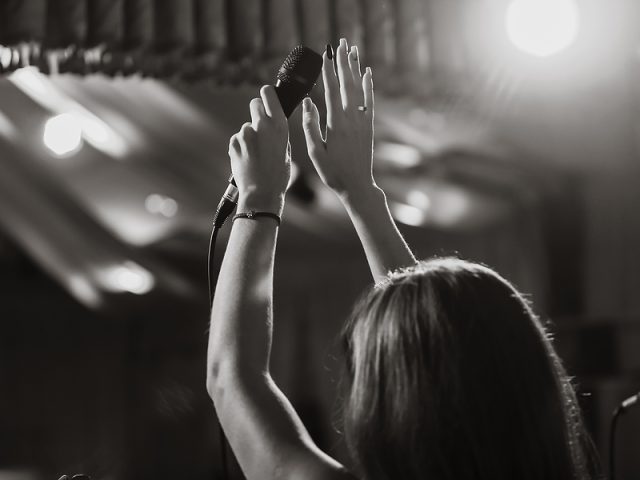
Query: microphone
pixel 294 80
pixel 296 77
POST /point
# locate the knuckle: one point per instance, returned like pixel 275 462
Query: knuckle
pixel 350 116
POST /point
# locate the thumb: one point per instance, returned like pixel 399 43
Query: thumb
pixel 311 127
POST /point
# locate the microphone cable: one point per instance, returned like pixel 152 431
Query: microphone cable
pixel 226 206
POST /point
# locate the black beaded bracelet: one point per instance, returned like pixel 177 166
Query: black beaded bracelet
pixel 251 214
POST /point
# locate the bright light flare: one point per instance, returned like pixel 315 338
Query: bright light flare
pixel 129 277
pixel 161 205
pixel 419 199
pixel 44 92
pixel 542 27
pixel 398 154
pixel 82 288
pixel 63 134
pixel 407 214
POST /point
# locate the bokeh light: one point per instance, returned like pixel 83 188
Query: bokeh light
pixel 407 214
pixel 63 134
pixel 161 205
pixel 129 277
pixel 542 27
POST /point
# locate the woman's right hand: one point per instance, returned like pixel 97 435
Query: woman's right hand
pixel 344 156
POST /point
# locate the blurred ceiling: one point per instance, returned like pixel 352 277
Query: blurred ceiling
pixel 152 163
pixel 115 118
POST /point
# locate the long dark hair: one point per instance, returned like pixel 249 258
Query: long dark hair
pixel 450 376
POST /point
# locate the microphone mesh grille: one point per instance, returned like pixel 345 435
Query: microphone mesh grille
pixel 302 64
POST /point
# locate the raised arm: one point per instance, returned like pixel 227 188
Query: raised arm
pixel 263 429
pixel 344 158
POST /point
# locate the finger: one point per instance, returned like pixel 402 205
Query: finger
pixel 245 138
pixel 367 88
pixel 354 65
pixel 331 88
pixel 234 145
pixel 344 74
pixel 246 131
pixel 258 112
pixel 311 127
pixel 272 103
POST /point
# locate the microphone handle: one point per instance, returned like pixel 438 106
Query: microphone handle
pixel 227 203
pixel 291 94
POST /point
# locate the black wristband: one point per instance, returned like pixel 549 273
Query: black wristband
pixel 252 214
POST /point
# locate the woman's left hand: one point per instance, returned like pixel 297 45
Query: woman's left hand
pixel 260 158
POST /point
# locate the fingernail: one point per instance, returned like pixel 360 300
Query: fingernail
pixel 368 70
pixel 306 103
pixel 343 42
pixel 329 51
pixel 354 52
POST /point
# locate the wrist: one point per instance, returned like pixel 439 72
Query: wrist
pixel 260 202
pixel 363 196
